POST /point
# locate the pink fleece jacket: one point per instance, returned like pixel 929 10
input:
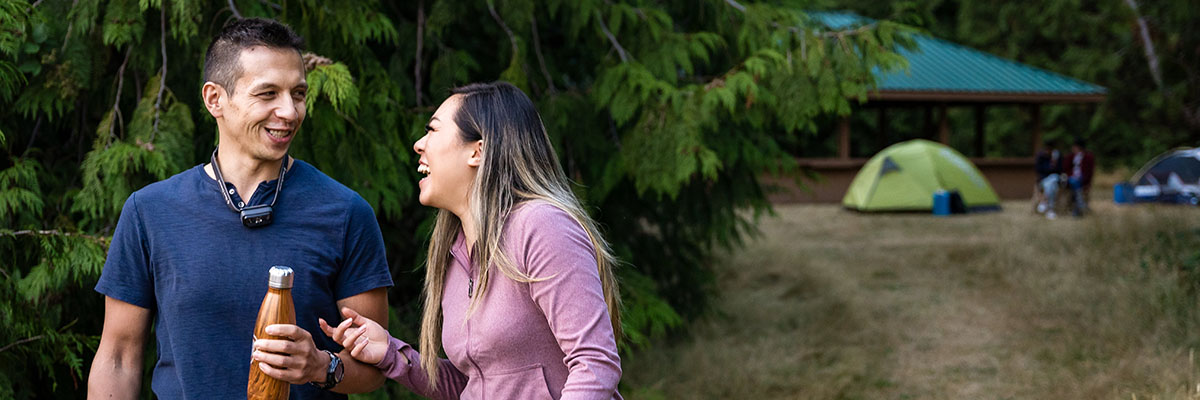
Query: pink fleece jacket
pixel 550 339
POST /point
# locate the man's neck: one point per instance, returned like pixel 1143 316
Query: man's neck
pixel 243 171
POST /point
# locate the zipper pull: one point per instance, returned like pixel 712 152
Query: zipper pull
pixel 470 287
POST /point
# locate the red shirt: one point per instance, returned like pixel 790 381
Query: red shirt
pixel 1086 167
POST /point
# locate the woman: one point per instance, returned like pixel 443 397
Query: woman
pixel 545 325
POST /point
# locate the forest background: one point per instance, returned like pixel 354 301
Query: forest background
pixel 665 114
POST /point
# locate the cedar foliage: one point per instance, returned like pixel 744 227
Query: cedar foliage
pixel 664 113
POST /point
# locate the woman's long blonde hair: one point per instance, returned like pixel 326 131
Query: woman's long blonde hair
pixel 519 165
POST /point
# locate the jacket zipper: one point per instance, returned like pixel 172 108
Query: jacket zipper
pixel 478 372
pixel 470 292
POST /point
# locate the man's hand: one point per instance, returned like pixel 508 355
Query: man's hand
pixel 294 360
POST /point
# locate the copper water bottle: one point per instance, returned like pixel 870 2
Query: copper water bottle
pixel 277 308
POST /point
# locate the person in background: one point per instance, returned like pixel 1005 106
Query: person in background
pixel 1079 167
pixel 519 287
pixel 1048 164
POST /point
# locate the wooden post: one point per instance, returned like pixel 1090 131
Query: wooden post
pixel 980 119
pixel 881 129
pixel 844 137
pixel 944 125
pixel 1035 116
pixel 927 129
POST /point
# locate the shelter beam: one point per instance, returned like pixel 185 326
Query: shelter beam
pixel 1035 122
pixel 844 137
pixel 881 129
pixel 944 124
pixel 980 121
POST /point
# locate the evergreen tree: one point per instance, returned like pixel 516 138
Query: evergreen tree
pixel 665 113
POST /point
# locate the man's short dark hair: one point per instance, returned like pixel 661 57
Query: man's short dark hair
pixel 1081 142
pixel 222 63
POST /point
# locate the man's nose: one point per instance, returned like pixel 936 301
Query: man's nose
pixel 286 109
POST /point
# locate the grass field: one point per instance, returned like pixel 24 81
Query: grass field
pixel 830 304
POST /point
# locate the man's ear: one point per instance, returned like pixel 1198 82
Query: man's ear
pixel 214 96
pixel 476 154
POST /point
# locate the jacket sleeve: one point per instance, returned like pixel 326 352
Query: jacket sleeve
pixel 450 381
pixel 1088 167
pixel 557 251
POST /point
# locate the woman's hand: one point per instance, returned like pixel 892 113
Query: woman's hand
pixel 366 340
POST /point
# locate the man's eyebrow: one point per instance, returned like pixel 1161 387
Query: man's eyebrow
pixel 263 86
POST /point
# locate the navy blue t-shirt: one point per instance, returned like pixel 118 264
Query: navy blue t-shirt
pixel 180 252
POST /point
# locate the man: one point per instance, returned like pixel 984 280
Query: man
pixel 182 259
pixel 1048 165
pixel 1079 166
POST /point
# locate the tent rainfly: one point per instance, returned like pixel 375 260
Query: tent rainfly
pixel 905 176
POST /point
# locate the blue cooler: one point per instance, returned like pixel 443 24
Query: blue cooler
pixel 1123 193
pixel 941 203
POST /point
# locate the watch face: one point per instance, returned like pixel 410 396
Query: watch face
pixel 339 371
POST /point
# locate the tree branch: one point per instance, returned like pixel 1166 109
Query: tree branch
pixel 54 232
pixel 272 5
pixel 420 44
pixel 33 136
pixel 736 5
pixel 117 101
pixel 162 80
pixel 70 25
pixel 512 38
pixel 312 61
pixel 537 50
pixel 613 39
pixel 1147 44
pixel 234 9
pixel 22 341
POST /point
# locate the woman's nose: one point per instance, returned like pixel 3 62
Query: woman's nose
pixel 419 145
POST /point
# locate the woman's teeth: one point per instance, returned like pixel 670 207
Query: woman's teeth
pixel 424 169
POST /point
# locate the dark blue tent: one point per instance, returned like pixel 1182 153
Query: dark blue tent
pixel 1173 177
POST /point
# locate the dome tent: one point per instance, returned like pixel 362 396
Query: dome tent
pixel 905 176
pixel 1172 177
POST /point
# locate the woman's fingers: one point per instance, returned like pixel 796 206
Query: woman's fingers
pixel 352 337
pixel 357 350
pixel 326 328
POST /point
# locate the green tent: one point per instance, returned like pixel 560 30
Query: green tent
pixel 904 177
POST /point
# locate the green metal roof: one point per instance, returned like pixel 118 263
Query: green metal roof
pixel 945 71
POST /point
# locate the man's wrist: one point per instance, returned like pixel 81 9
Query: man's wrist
pixel 332 374
pixel 317 374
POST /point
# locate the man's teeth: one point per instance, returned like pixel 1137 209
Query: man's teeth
pixel 279 133
pixel 424 169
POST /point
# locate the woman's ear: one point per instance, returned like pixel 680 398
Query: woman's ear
pixel 476 154
pixel 212 94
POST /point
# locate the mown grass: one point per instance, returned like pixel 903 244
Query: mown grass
pixel 830 304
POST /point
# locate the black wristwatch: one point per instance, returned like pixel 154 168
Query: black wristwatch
pixel 334 374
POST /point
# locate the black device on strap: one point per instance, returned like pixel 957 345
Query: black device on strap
pixel 254 216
